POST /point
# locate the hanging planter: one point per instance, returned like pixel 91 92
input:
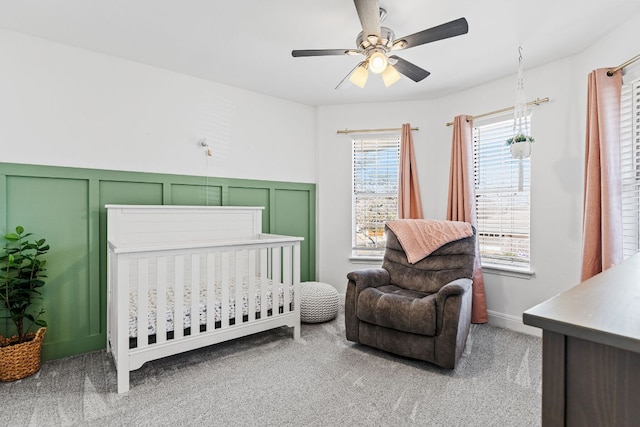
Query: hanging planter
pixel 520 142
pixel 520 146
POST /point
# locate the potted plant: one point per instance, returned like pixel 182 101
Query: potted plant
pixel 21 272
pixel 520 145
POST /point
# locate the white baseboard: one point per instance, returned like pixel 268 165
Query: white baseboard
pixel 512 322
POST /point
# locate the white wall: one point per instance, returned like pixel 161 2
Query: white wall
pixel 557 170
pixel 65 106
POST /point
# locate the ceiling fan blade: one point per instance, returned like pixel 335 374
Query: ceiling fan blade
pixel 322 52
pixel 410 70
pixel 443 31
pixel 369 14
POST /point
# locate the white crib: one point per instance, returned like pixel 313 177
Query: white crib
pixel 185 277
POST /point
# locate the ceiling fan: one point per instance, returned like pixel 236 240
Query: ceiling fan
pixel 375 42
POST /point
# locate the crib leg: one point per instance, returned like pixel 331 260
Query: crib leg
pixel 296 332
pixel 123 380
pixel 122 372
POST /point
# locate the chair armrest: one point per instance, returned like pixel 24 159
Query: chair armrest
pixel 371 278
pixel 455 288
pixel 358 281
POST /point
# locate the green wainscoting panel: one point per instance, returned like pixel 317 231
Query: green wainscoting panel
pixel 66 206
pixel 203 195
pixel 56 209
pixel 245 196
pixel 291 216
pixel 130 193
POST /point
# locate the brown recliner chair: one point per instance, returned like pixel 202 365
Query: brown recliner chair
pixel 421 310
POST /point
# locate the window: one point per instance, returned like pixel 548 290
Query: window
pixel 630 166
pixel 502 204
pixel 375 192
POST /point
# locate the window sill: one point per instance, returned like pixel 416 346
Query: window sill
pixel 365 259
pixel 502 270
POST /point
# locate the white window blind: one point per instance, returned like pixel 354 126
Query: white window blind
pixel 630 166
pixel 375 192
pixel 503 211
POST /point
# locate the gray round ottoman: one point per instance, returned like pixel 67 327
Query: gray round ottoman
pixel 318 302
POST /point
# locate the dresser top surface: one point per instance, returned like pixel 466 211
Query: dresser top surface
pixel 604 309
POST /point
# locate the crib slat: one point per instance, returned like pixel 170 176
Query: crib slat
pixel 161 299
pixel 264 253
pixel 276 266
pixel 224 283
pixel 286 278
pixel 251 285
pixel 195 294
pixel 143 302
pixel 239 276
pixel 211 296
pixel 275 279
pixel 178 298
pixel 296 264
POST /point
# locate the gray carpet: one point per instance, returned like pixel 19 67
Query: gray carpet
pixel 270 379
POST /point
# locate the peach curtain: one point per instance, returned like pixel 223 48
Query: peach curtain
pixel 602 215
pixel 462 203
pixel 409 203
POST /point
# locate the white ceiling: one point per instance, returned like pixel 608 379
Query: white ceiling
pixel 247 44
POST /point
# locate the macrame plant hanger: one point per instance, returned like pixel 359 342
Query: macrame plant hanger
pixel 520 142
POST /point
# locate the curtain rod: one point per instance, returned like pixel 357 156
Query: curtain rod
pixel 536 101
pixel 370 130
pixel 612 71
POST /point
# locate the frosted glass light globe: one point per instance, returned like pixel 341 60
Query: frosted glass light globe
pixel 377 62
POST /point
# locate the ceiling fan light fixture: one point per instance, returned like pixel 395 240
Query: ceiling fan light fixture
pixel 377 62
pixel 390 75
pixel 360 75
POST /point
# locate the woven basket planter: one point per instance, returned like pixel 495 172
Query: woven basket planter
pixel 18 361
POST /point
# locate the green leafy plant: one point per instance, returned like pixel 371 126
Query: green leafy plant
pixel 520 138
pixel 21 274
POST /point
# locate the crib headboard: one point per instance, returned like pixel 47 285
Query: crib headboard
pixel 166 225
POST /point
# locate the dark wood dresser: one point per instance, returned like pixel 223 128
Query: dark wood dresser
pixel 591 350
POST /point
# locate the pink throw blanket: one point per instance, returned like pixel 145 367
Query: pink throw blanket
pixel 420 237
